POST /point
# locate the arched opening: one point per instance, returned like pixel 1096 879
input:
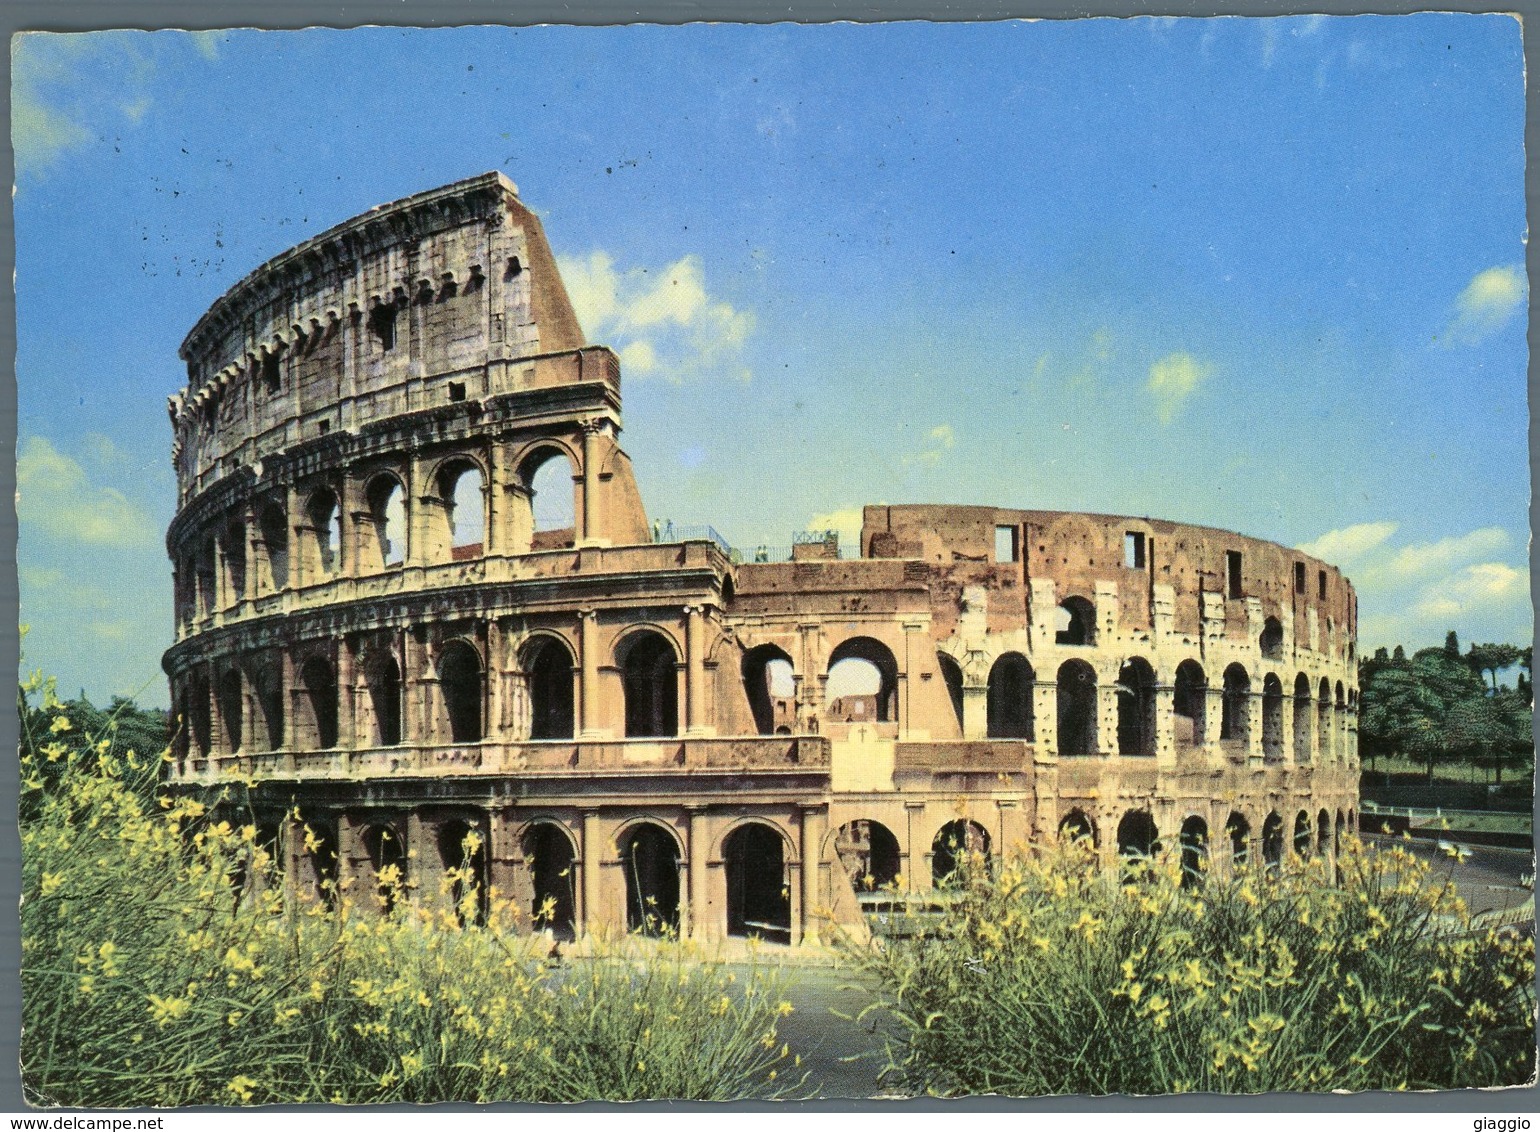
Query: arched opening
pixel 462 852
pixel 1322 833
pixel 863 682
pixel 869 853
pixel 387 512
pixel 386 853
pixel 1077 708
pixel 650 858
pixel 267 685
pixel 1302 834
pixel 1010 708
pixel 208 593
pixel 549 477
pixel 1235 720
pixel 230 708
pixel 274 530
pixel 548 668
pixel 1339 725
pixel 1074 622
pixel 235 559
pixel 1194 839
pixel 1136 708
pixel 1336 841
pixel 1301 719
pixel 1272 840
pixel 326 531
pixel 459 676
pixel 549 855
pixel 1137 835
pixel 650 678
pixel 1271 640
pixel 758 889
pixel 318 861
pixel 384 681
pixel 767 680
pixel 951 673
pixel 1187 704
pixel 1238 829
pixel 1323 722
pixel 201 714
pixel 465 508
pixel 320 686
pixel 1272 718
pixel 1077 827
pixel 958 846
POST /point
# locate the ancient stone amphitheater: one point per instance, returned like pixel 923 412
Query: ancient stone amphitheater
pixel 417 596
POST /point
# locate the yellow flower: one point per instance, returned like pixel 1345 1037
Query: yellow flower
pixel 241 1087
pixel 60 724
pixel 164 1011
pixel 52 883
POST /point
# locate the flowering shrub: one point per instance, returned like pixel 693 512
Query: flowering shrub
pixel 163 964
pixel 1056 976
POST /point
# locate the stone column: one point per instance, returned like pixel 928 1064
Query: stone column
pixel 1286 727
pixel 495 726
pixel 1165 725
pixel 347 695
pixel 495 537
pixel 352 519
pixel 1253 706
pixel 912 858
pixel 591 865
pixel 1106 716
pixel 420 502
pixel 915 648
pixel 1045 715
pixel 217 744
pixel 254 573
pixel 591 725
pixel 590 480
pixel 813 820
pixel 695 672
pixel 298 574
pixel 700 923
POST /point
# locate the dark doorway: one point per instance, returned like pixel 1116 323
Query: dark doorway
pixel 1194 852
pixel 650 858
pixel 767 680
pixel 462 850
pixel 230 700
pixel 1077 828
pixel 385 699
pixel 1011 715
pixel 387 859
pixel 1301 719
pixel 650 674
pixel 957 845
pixel 1136 708
pixel 321 693
pixel 459 674
pixel 758 895
pixel 1302 834
pixel 869 852
pixel 548 853
pixel 1188 705
pixel 551 713
pixel 952 675
pixel 319 860
pixel 1238 829
pixel 1077 708
pixel 1272 840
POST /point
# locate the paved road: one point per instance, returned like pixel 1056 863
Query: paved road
pixel 1487 877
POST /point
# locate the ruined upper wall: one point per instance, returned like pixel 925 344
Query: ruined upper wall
pixel 1077 552
pixel 451 294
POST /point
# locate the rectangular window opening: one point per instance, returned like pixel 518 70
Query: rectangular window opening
pixel 1233 571
pixel 457 390
pixel 1134 550
pixel 1005 544
pixel 1299 577
pixel 1321 582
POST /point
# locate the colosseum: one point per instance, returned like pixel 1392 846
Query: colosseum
pixel 417 595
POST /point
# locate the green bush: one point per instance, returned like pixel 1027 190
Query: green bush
pixel 1055 976
pixel 163 964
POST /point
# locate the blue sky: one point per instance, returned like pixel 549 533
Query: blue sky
pixel 1266 275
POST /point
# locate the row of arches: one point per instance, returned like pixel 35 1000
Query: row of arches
pixel 1075 624
pixel 269 550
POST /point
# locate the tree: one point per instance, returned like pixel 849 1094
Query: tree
pixel 1492 658
pixel 1452 645
pixel 55 731
pixel 1408 707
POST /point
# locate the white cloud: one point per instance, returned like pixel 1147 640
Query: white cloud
pixel 1487 303
pixel 54 493
pixel 1173 379
pixel 937 441
pixel 662 322
pixel 1472 589
pixel 845 520
pixel 1349 544
pixel 1424 560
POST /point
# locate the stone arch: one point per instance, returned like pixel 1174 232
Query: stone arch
pixel 1194 842
pixel 1302 719
pixel 1272 840
pixel 1302 834
pixel 206 576
pixel 876 655
pixel 1188 705
pixel 869 852
pixel 548 478
pixel 385 496
pixel 1136 707
pixel 273 529
pixel 1271 639
pixel 550 855
pixel 462 847
pixel 767 669
pixel 462 691
pixel 1272 718
pixel 649 672
pixel 1075 622
pixel 382 680
pixel 956 843
pixel 319 683
pixel 1077 826
pixel 1235 719
pixel 234 541
pixel 756 858
pixel 952 676
pixel 1323 721
pixel 323 515
pixel 200 715
pixel 1238 830
pixel 1077 708
pixel 385 850
pixel 1323 833
pixel 460 483
pixel 547 664
pixel 1011 713
pixel 231 700
pixel 650 856
pixel 266 680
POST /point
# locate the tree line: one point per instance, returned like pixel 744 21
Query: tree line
pixel 1443 706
